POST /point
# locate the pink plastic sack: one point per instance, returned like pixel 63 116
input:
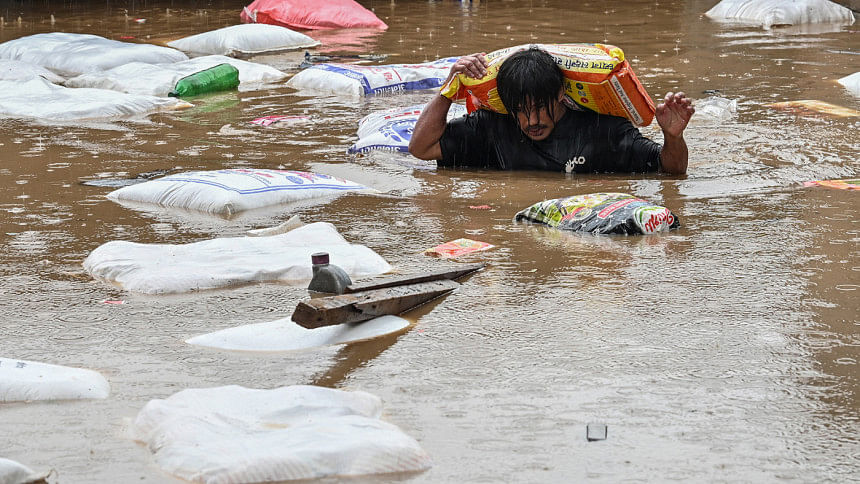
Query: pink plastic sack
pixel 321 14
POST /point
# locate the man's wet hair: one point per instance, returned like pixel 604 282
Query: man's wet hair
pixel 529 76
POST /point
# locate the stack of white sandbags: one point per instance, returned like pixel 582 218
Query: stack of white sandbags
pixel 38 98
pixel 160 79
pixel 769 13
pixel 15 70
pixel 73 54
pixel 244 40
pixel 237 434
pixel 29 92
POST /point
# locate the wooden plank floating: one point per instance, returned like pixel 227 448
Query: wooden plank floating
pixel 449 273
pixel 365 305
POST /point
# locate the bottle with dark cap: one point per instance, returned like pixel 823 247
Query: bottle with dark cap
pixel 327 277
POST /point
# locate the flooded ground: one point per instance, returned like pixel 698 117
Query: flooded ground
pixel 726 350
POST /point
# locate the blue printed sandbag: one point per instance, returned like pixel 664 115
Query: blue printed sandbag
pixel 391 130
pixel 355 80
pixel 228 192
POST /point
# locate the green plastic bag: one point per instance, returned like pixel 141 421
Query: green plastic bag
pixel 222 77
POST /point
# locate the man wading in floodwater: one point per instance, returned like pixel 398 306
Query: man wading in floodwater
pixel 541 133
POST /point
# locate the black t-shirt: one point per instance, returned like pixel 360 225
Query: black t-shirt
pixel 581 142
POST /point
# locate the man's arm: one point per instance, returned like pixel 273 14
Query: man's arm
pixel 431 124
pixel 673 114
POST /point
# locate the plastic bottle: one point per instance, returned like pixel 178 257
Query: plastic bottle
pixel 327 277
pixel 222 77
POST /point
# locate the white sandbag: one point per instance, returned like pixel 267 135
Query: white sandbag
pixel 285 335
pixel 768 13
pixel 391 130
pixel 355 80
pixel 22 380
pixel 73 54
pixel 12 472
pixel 15 70
pixel 229 261
pixel 38 98
pixel 852 83
pixel 160 79
pixel 244 39
pixel 228 192
pixel 234 434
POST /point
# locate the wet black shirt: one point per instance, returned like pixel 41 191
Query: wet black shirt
pixel 581 142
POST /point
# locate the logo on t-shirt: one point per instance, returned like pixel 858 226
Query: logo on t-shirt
pixel 576 160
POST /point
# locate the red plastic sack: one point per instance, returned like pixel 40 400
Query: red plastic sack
pixel 302 14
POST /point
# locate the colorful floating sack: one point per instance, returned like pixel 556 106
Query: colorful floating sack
pixel 601 213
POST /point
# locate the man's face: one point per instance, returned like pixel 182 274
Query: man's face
pixel 536 122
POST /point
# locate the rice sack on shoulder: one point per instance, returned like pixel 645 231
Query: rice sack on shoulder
pixel 602 213
pixel 597 78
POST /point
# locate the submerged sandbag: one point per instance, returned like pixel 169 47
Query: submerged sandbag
pixel 243 40
pixel 601 213
pixel 12 472
pixel 73 54
pixel 355 80
pixel 769 13
pixel 229 261
pixel 160 79
pixel 15 70
pixel 852 83
pixel 234 434
pixel 38 98
pixel 285 335
pixel 228 192
pixel 301 14
pixel 22 380
pixel 391 130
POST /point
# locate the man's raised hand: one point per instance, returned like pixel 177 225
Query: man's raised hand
pixel 473 65
pixel 674 113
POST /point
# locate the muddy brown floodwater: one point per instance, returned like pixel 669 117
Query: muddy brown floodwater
pixel 724 351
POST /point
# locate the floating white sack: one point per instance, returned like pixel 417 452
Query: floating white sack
pixel 12 472
pixel 244 39
pixel 228 192
pixel 38 98
pixel 73 54
pixel 229 261
pixel 285 335
pixel 852 83
pixel 355 80
pixel 391 130
pixel 22 380
pixel 234 434
pixel 715 109
pixel 14 70
pixel 768 13
pixel 159 79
